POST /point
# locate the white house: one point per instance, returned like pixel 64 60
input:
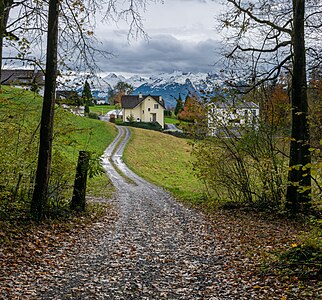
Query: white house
pixel 143 108
pixel 222 115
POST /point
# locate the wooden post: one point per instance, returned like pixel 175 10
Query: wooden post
pixel 78 201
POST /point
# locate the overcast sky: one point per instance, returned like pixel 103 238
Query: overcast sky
pixel 182 36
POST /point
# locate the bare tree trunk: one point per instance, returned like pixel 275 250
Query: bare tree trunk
pixel 2 30
pixel 5 6
pixel 299 188
pixel 39 199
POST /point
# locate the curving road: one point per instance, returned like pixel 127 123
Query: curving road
pixel 158 249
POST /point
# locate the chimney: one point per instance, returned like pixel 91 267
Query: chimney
pixel 140 96
pixel 160 99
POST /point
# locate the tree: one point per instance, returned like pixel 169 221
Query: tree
pixel 39 198
pixel 298 198
pixel 121 89
pixel 75 39
pixel 179 106
pixel 5 6
pixel 192 110
pixel 267 37
pixel 275 110
pixel 86 93
pixel 87 98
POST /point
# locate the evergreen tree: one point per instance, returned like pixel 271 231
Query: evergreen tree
pixel 179 106
pixel 87 94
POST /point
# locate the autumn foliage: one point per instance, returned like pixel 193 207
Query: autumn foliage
pixel 277 107
pixel 192 110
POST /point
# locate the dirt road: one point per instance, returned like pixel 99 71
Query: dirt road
pixel 156 249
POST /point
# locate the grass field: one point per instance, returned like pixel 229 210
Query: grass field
pixel 101 109
pixel 164 160
pixel 171 120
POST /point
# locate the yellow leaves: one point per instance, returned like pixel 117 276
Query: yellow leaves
pixel 257 287
pixel 283 298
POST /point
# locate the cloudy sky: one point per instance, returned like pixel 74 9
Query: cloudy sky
pixel 182 36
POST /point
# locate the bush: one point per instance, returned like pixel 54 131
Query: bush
pixel 144 125
pixel 248 168
pixel 93 115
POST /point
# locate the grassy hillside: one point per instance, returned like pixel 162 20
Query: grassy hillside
pixel 19 129
pixel 164 160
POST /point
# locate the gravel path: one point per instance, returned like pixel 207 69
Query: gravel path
pixel 157 249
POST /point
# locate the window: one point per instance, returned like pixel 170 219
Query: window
pixel 149 109
pixel 156 106
pixel 142 111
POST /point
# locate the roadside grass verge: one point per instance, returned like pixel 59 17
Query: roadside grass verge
pixel 165 161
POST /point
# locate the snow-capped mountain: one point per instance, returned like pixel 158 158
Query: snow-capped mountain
pixel 170 85
pixel 167 85
pixel 112 80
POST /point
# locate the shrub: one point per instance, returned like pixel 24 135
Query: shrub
pixel 93 115
pixel 145 125
pixel 248 169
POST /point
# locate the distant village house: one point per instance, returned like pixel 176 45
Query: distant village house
pixel 22 77
pixel 140 108
pixel 232 116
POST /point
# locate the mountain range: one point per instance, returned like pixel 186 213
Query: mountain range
pixel 169 86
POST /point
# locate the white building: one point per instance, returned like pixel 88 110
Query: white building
pixel 231 117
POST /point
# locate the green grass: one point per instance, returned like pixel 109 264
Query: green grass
pixel 164 160
pixel 79 133
pixel 101 109
pixel 171 120
pixel 20 116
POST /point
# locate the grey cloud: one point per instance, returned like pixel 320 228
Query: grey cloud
pixel 163 53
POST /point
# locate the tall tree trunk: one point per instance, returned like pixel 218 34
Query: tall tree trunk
pixel 299 188
pixel 39 199
pixel 5 6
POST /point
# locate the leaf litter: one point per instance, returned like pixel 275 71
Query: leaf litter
pixel 148 246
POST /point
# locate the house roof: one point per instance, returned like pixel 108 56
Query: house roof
pixel 131 101
pixel 21 76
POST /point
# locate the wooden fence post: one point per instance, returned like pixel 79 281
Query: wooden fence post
pixel 78 201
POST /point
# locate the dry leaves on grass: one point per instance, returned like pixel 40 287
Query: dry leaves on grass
pixel 253 243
